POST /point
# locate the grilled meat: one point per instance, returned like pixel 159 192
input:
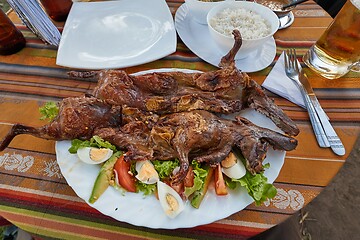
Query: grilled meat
pixel 172 91
pixel 257 99
pixel 198 135
pixel 77 118
pixel 125 110
pixel 227 90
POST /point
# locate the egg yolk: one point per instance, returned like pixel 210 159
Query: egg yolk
pixel 172 203
pixel 146 172
pixel 229 161
pixel 97 154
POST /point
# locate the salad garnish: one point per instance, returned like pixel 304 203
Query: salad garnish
pixel 115 171
pixel 95 141
pixel 49 111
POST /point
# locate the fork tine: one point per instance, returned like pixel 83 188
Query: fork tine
pixel 295 61
pixel 286 59
pixel 291 56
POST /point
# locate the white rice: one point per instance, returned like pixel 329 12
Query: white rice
pixel 250 24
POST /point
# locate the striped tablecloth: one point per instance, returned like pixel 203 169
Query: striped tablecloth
pixel 35 196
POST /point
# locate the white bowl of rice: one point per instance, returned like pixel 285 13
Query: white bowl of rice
pixel 256 23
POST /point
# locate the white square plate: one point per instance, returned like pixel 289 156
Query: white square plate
pixel 116 34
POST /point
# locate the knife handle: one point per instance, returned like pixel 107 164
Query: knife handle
pixel 315 121
pixel 334 141
pixel 316 104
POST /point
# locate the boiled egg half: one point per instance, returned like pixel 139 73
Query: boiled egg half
pixel 170 200
pixel 233 167
pixel 93 155
pixel 146 172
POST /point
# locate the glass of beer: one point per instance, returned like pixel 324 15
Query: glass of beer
pixel 338 49
pixel 11 39
pixel 58 10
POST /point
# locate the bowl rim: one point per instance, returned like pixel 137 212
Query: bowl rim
pixel 220 7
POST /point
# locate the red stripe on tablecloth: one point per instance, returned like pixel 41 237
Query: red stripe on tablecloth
pixel 63 226
pixel 230 229
pixel 291 44
pixel 33 199
pixel 4 222
pixel 29 201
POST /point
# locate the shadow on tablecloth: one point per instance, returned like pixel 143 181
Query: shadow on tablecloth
pixel 333 214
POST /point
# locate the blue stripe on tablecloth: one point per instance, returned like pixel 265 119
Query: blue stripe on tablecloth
pixel 37 71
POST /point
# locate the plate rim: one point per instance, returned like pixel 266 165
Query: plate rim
pixel 289 23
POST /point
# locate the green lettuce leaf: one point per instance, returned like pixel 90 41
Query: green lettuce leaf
pixel 199 171
pixel 197 192
pixel 256 185
pixel 198 196
pixel 49 111
pixel 146 189
pixel 95 141
pixel 165 168
pixel 199 178
pixel 100 143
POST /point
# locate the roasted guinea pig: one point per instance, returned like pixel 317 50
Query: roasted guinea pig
pixel 226 90
pixel 196 135
pixel 77 118
pixel 172 115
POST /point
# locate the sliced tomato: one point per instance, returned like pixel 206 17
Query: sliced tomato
pixel 189 179
pixel 179 187
pixel 220 186
pixel 123 176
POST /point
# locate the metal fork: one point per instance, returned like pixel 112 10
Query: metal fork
pixel 292 71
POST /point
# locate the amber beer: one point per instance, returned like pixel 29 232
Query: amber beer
pixel 338 49
pixel 58 10
pixel 11 39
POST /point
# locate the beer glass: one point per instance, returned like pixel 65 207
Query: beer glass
pixel 338 49
pixel 58 10
pixel 11 39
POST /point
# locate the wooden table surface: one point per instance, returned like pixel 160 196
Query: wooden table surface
pixel 35 196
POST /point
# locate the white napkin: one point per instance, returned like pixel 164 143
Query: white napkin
pixel 278 83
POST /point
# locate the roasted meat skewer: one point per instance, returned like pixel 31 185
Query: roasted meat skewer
pixel 197 135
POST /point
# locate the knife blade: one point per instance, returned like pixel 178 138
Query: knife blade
pixel 335 142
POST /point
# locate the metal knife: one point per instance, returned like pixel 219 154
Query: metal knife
pixel 335 142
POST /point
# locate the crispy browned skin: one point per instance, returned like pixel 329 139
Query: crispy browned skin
pixel 170 92
pixel 258 100
pixel 77 118
pixel 125 112
pixel 231 92
pixel 226 90
pixel 228 58
pixel 198 135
